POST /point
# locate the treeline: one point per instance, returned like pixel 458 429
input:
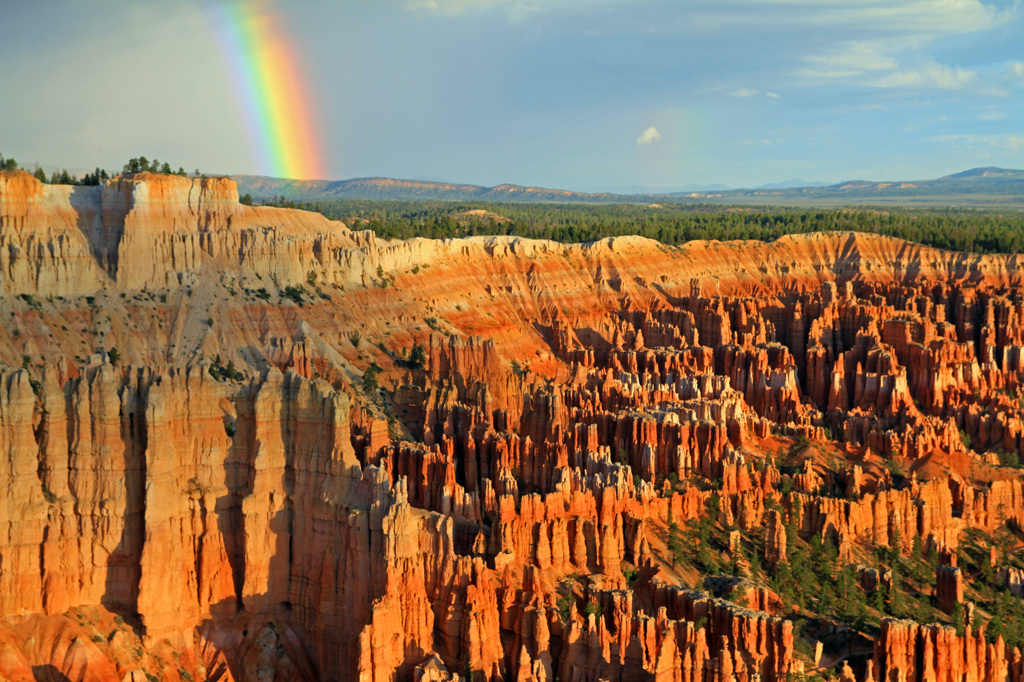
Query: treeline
pixel 673 224
pixel 141 164
pixel 63 177
pixel 58 177
pixel 138 164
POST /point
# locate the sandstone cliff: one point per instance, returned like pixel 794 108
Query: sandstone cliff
pixel 229 497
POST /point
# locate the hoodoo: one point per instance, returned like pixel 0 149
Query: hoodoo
pixel 247 443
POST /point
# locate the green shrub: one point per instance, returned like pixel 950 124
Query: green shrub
pixel 1009 459
pixel 370 378
pixel 564 605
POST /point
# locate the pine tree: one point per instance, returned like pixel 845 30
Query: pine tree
pixel 674 546
pixel 704 556
pixel 418 356
pixel 370 378
pixel 933 557
pixel 894 598
pixel 878 599
pixel 846 599
pixel 736 560
pixel 826 600
pixel 958 618
pixel 995 626
pixel 894 546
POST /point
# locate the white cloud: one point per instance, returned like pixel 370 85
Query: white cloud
pixel 829 74
pixel 893 35
pixel 856 56
pixel 1016 68
pixel 743 92
pixel 515 9
pixel 450 7
pixel 648 136
pixel 772 95
pixel 994 91
pixel 887 20
pixel 931 76
pixel 1007 143
pixel 907 17
pixel 993 116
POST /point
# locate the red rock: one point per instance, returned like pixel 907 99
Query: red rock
pixel 272 526
pixel 949 587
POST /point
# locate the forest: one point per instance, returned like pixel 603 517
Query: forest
pixel 968 230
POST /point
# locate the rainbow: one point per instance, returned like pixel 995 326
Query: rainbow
pixel 267 72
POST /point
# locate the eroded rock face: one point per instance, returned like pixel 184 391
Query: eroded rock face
pixel 227 497
pixel 911 651
pixel 949 587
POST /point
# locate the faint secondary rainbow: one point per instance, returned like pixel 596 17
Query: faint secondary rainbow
pixel 266 70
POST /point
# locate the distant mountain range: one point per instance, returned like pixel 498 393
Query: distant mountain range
pixel 979 186
pixel 410 190
pixel 790 184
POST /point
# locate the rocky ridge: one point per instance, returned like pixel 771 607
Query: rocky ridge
pixel 230 496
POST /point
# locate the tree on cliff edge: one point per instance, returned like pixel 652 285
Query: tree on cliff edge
pixel 674 543
pixel 418 356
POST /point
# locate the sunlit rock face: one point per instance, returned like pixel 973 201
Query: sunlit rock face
pixel 199 478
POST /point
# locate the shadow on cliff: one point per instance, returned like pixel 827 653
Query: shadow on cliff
pixel 592 338
pixel 87 201
pixel 268 644
pixel 48 673
pixel 230 522
pixel 848 261
pixel 671 299
pixel 121 585
pixel 253 622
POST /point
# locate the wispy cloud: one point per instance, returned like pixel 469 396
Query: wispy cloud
pixel 930 76
pixel 855 56
pixel 907 17
pixel 1010 142
pixel 450 7
pixel 772 95
pixel 743 92
pixel 993 91
pixel 866 19
pixel 515 9
pixel 894 35
pixel 648 136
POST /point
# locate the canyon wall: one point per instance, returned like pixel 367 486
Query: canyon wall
pixel 200 479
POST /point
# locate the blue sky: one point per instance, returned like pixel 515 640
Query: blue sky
pixel 579 94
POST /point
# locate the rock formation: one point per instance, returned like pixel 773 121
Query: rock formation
pixel 219 461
